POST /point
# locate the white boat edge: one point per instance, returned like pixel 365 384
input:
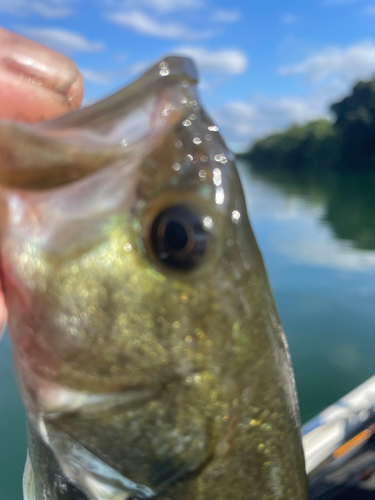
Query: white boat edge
pixel 326 432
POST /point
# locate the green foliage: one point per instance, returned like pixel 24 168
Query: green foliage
pixel 308 146
pixel 355 123
pixel 347 144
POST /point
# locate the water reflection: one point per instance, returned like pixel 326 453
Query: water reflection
pixel 351 209
pixel 347 199
pixel 316 242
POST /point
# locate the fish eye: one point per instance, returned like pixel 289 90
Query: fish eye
pixel 178 238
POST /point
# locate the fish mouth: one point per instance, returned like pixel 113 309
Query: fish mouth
pixel 169 71
pixel 119 128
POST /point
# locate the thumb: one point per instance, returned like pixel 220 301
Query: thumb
pixel 36 83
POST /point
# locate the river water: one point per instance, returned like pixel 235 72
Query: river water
pixel 317 237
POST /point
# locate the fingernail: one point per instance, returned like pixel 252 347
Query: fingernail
pixel 75 92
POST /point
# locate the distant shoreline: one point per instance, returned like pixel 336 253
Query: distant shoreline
pixel 346 144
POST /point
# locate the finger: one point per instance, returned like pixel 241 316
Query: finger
pixel 36 83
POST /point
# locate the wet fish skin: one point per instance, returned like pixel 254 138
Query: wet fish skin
pixel 142 379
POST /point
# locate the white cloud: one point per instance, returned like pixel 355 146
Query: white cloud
pixel 369 10
pixel 98 77
pixel 332 254
pixel 106 77
pixel 242 122
pixel 248 120
pixel 140 22
pixel 122 56
pixel 225 16
pixel 138 68
pixel 62 40
pixel 162 5
pixel 288 18
pixel 50 9
pixel 330 74
pixel 345 65
pixel 225 61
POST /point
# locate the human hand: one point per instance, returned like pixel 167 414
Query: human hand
pixel 36 83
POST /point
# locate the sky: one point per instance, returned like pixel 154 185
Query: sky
pixel 263 64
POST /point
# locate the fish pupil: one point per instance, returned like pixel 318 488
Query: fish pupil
pixel 175 237
pixel 178 238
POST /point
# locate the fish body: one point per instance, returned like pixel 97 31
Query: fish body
pixel 147 344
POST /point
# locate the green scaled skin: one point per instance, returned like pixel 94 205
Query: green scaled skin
pixel 147 344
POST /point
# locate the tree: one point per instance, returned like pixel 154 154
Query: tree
pixel 355 124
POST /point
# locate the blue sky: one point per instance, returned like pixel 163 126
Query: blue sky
pixel 263 64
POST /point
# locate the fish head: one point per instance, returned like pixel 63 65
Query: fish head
pixel 135 221
pixel 138 299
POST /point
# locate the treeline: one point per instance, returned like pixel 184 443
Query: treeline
pixel 346 144
pixel 321 161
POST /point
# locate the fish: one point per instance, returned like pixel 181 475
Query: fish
pixel 146 341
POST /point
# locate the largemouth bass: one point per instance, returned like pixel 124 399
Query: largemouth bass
pixel 147 344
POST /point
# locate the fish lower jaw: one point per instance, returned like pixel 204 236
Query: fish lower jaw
pixel 60 468
pixel 95 488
